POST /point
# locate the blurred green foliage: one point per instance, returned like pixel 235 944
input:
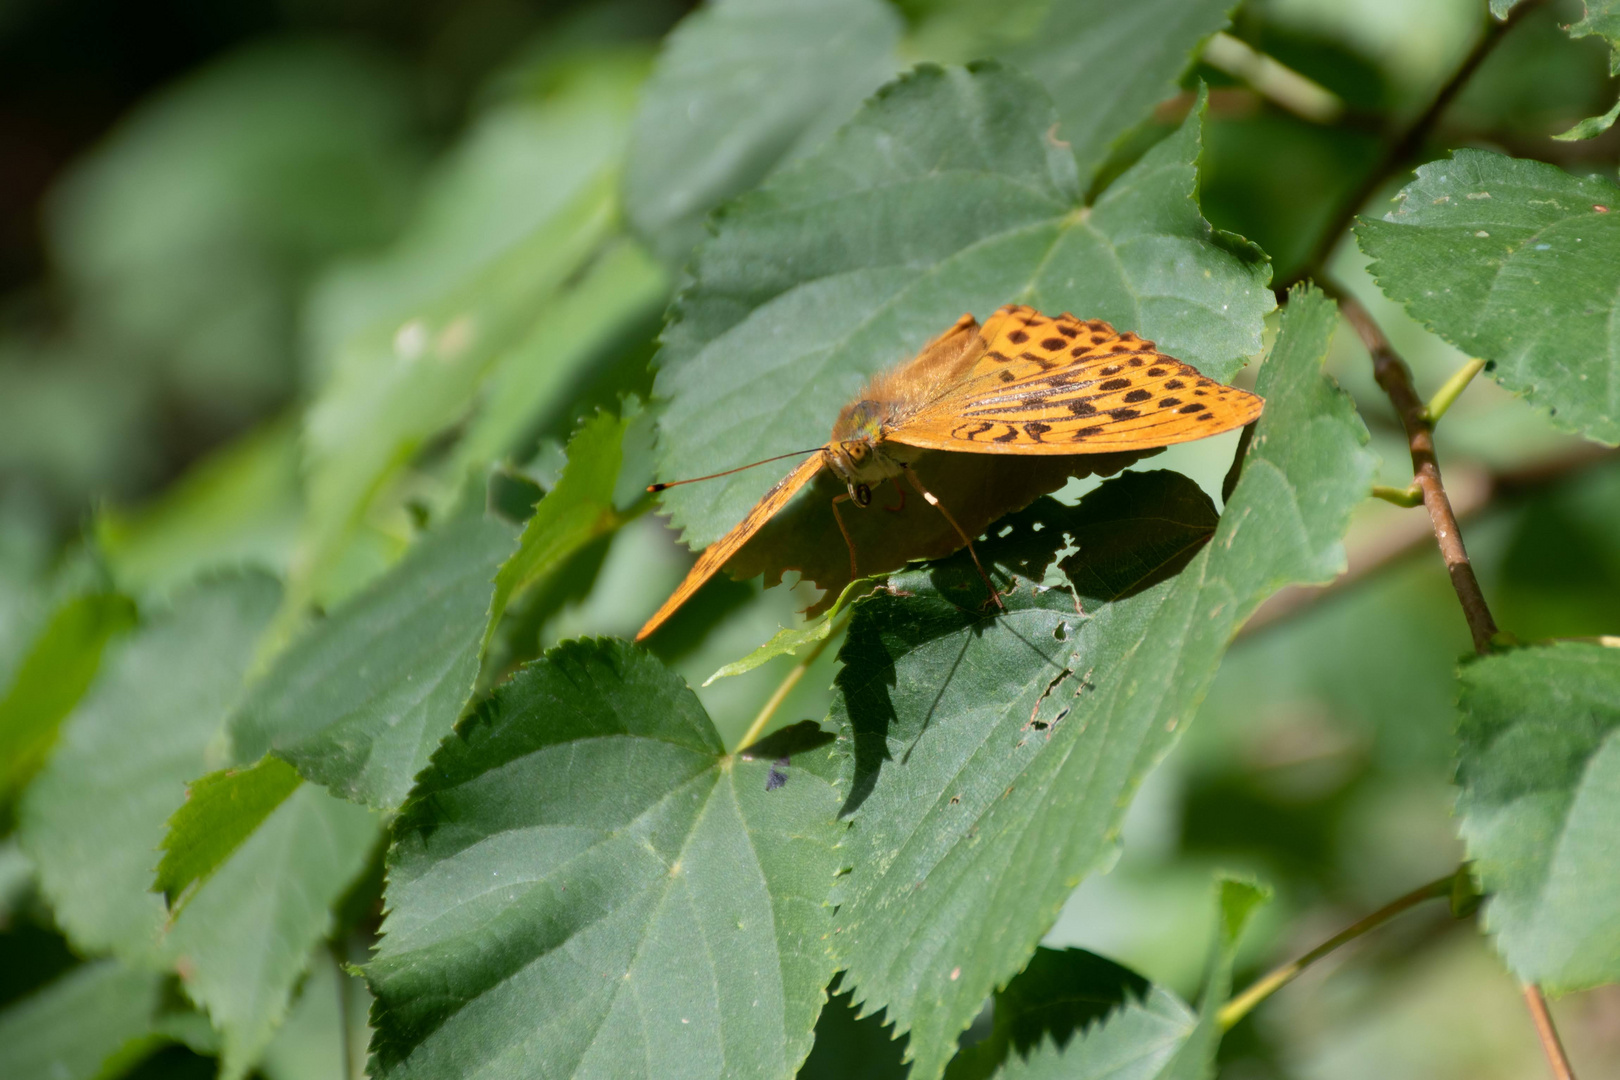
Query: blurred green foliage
pixel 338 295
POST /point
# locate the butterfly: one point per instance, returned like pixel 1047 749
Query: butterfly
pixel 1023 383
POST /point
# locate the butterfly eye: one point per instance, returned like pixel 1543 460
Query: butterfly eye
pixel 863 495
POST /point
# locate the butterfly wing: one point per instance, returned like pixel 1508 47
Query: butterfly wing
pixel 716 554
pixel 1063 385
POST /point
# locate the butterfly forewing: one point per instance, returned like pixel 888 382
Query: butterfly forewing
pixel 716 554
pixel 1061 385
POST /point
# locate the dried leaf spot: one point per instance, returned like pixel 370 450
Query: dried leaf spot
pixel 1115 384
pixel 1137 395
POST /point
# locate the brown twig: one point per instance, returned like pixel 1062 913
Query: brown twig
pixel 1396 379
pixel 1408 143
pixel 1550 1043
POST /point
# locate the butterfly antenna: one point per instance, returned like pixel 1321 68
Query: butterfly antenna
pixel 728 472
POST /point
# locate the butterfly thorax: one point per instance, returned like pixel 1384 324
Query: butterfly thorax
pixel 857 453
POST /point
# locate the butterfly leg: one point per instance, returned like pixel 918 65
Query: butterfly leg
pixel 853 572
pixel 928 497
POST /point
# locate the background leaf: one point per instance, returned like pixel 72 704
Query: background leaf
pixel 989 759
pixel 740 86
pixel 46 1035
pixel 140 734
pixel 1539 769
pixel 361 700
pixel 584 881
pixel 221 810
pixel 1517 262
pixel 944 194
pixel 1107 65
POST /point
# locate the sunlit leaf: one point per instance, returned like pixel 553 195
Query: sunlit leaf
pixel 1517 262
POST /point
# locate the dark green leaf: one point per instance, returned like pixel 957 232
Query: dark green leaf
pixel 95 816
pixel 360 701
pixel 991 758
pixel 1107 64
pixel 740 85
pixel 583 882
pixel 221 810
pixel 945 194
pixel 1539 768
pixel 1592 126
pixel 1517 262
pixel 51 678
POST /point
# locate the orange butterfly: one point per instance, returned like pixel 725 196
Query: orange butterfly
pixel 1024 383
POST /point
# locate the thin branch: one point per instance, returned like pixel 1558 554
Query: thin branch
pixel 1275 980
pixel 1550 1043
pixel 1407 145
pixel 1396 379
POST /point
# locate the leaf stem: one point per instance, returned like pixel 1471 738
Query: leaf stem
pixel 1277 978
pixel 785 687
pixel 1453 388
pixel 1396 379
pixel 1268 77
pixel 1550 1043
pixel 1406 496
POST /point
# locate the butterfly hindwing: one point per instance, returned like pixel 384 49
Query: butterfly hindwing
pixel 1062 385
pixel 716 554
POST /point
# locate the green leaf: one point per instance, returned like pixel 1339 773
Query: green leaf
pixel 95 1021
pixel 52 677
pixel 1603 19
pixel 221 811
pixel 360 701
pixel 943 195
pixel 1592 126
pixel 578 510
pixel 852 1047
pixel 584 882
pixel 140 734
pixel 1107 64
pixel 740 86
pixel 1539 771
pixel 1517 262
pixel 787 641
pixel 414 340
pixel 244 939
pixel 989 760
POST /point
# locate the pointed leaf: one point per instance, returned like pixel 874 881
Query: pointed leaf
pixel 221 811
pixel 584 883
